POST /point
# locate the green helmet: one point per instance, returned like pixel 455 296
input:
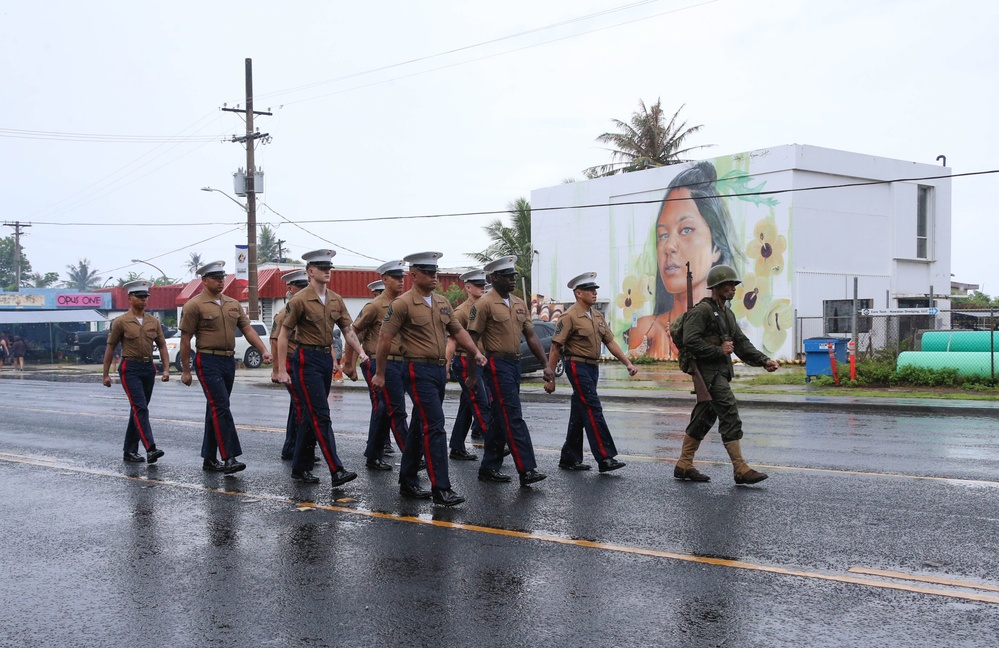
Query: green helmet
pixel 722 274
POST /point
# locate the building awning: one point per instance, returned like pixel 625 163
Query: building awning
pixel 46 316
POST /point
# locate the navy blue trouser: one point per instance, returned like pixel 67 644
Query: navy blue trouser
pixel 586 414
pixel 393 397
pixel 294 419
pixel 311 377
pixel 473 407
pixel 378 424
pixel 425 385
pixel 216 374
pixel 507 420
pixel 138 378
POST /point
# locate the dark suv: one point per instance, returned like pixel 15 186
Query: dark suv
pixel 528 363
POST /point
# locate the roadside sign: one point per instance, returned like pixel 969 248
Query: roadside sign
pixel 899 311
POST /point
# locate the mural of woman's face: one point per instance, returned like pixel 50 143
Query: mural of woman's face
pixel 683 235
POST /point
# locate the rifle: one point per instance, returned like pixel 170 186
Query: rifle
pixel 700 387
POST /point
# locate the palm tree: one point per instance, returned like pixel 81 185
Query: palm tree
pixel 268 246
pixel 515 239
pixel 132 276
pixel 193 263
pixel 37 280
pixel 646 141
pixel 81 276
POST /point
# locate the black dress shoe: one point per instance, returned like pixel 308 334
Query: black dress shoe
pixel 378 464
pixel 462 455
pixel 388 449
pixel 531 476
pixel 422 466
pixel 153 455
pixel 607 465
pixel 476 436
pixel 488 474
pixel 447 497
pixel 342 476
pixel 304 476
pixel 506 451
pixel 232 466
pixel 133 457
pixel 211 465
pixel 568 465
pixel 413 492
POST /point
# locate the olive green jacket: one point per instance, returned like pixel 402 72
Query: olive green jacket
pixel 706 326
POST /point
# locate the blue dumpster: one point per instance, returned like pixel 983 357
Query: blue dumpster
pixel 817 355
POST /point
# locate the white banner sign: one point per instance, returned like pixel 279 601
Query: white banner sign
pixel 899 311
pixel 242 262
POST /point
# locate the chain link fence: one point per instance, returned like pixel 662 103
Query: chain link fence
pixel 962 341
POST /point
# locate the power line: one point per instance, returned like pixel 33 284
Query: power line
pixel 336 245
pixel 496 212
pixel 180 249
pixel 92 137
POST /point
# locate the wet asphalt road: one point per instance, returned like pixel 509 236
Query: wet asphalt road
pixel 97 552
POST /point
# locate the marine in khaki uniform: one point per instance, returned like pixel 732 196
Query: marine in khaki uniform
pixel 311 315
pixel 578 335
pixel 136 332
pixel 423 319
pixel 711 334
pixel 388 405
pixel 473 406
pixel 296 280
pixel 213 318
pixel 497 321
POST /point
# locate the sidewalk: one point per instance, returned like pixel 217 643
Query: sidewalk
pixel 654 385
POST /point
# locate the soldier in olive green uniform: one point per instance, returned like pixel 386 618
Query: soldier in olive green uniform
pixel 578 335
pixel 710 335
pixel 136 331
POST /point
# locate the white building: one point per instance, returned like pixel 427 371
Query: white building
pixel 802 223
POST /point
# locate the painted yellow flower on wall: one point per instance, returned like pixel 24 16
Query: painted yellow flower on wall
pixel 779 320
pixel 632 295
pixel 752 298
pixel 767 248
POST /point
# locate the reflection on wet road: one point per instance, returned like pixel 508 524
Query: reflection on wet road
pixel 873 529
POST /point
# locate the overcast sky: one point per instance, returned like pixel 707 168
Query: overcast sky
pixel 401 109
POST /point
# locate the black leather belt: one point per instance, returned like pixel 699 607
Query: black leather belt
pixel 513 357
pixel 217 352
pixel 138 359
pixel 314 347
pixel 430 361
pixel 581 359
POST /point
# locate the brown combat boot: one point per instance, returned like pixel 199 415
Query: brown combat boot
pixel 685 464
pixel 743 473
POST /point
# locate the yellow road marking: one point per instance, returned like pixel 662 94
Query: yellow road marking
pixel 936 580
pixel 11 454
pixel 538 449
pixel 553 539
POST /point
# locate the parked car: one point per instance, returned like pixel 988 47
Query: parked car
pixel 528 363
pixel 245 352
pixel 89 345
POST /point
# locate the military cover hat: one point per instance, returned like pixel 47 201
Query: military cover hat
pixel 394 268
pixel 319 258
pixel 585 281
pixel 376 286
pixel 503 265
pixel 215 267
pixel 423 260
pixel 295 276
pixel 477 277
pixel 139 288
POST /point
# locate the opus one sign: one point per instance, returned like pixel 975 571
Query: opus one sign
pixel 80 300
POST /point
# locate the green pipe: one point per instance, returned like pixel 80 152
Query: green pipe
pixel 959 341
pixel 968 363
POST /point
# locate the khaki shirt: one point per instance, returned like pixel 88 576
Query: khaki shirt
pixel 213 325
pixel 136 339
pixel 580 335
pixel 422 329
pixel 499 326
pixel 461 314
pixel 276 331
pixel 315 320
pixel 368 325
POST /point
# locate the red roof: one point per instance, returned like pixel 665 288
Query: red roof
pixel 161 298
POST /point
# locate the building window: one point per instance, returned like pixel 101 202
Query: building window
pixel 838 316
pixel 924 196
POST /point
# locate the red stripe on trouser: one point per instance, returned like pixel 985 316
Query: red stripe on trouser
pixel 509 430
pixel 372 394
pixel 296 403
pixel 589 412
pixel 135 412
pixel 315 422
pixel 391 412
pixel 425 424
pixel 211 403
pixel 471 393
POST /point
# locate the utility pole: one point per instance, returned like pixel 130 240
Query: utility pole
pixel 251 199
pixel 280 258
pixel 17 225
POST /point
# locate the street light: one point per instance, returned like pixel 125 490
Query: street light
pixel 106 282
pixel 251 251
pixel 165 278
